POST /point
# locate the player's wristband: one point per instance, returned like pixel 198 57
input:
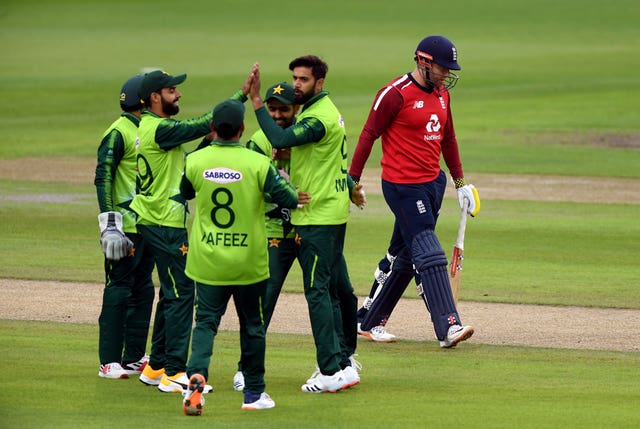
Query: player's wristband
pixel 356 179
pixel 459 182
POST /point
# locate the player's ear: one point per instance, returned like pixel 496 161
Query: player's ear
pixel 211 127
pixel 155 97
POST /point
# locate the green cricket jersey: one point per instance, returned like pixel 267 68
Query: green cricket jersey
pixel 230 182
pixel 277 218
pixel 115 177
pixel 160 165
pixel 320 168
pixel 318 159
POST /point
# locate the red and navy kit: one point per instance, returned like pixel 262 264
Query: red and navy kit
pixel 415 126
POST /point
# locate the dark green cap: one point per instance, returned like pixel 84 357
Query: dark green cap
pixel 158 79
pixel 229 112
pixel 282 92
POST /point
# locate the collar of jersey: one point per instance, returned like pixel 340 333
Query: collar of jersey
pixel 227 143
pixel 314 99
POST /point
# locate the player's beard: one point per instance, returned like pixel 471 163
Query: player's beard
pixel 302 97
pixel 170 108
pixel 284 122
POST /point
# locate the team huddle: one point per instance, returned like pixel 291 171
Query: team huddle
pixel 260 205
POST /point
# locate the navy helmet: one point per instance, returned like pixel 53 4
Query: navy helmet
pixel 440 50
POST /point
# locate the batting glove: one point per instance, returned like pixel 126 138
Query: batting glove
pixel 115 245
pixel 470 193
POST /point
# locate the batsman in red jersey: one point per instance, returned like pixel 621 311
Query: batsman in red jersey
pixel 412 117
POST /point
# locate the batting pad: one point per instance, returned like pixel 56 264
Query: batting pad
pixel 431 264
pixel 389 292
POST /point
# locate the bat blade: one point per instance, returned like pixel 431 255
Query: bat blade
pixel 457 256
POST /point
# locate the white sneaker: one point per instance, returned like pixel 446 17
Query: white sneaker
pixel 326 383
pixel 136 368
pixel 351 376
pixel 238 381
pixel 178 383
pixel 377 334
pixel 262 403
pixel 112 370
pixel 456 334
pixel 314 375
pixel 193 400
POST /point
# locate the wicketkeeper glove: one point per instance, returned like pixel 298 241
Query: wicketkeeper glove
pixel 115 245
pixel 471 193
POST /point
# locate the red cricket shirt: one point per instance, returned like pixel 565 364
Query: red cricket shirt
pixel 416 126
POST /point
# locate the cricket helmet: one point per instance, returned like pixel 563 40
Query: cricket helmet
pixel 129 99
pixel 440 50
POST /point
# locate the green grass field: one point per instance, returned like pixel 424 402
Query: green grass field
pixel 407 385
pixel 546 88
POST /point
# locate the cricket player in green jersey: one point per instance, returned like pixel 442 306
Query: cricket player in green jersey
pixel 282 246
pixel 127 299
pixel 228 257
pixel 162 219
pixel 319 167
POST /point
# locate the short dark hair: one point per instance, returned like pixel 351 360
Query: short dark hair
pixel 227 131
pixel 318 67
pixel 130 109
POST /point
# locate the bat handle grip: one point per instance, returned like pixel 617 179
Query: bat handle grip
pixel 463 223
pixel 465 206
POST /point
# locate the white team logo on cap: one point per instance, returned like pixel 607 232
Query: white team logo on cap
pixel 222 175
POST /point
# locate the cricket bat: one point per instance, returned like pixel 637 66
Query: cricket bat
pixel 457 257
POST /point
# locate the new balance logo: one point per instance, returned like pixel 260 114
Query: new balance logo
pixel 418 104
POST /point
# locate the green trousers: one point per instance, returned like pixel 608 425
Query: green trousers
pixel 281 258
pixel 211 304
pixel 346 319
pixel 326 286
pixel 127 301
pixel 174 311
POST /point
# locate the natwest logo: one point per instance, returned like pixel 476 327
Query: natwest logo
pixel 433 126
pixel 222 175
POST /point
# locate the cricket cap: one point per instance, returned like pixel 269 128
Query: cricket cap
pixel 230 112
pixel 158 79
pixel 282 92
pixel 129 97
